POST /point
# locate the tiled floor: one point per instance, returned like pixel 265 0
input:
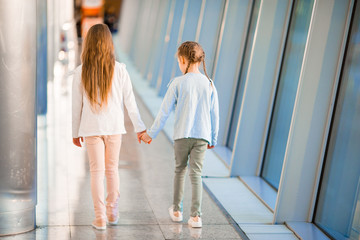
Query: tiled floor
pixel 64 209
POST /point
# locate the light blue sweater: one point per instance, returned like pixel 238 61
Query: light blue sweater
pixel 196 105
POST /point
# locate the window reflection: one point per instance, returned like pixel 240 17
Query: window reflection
pixel 338 210
pixel 244 71
pixel 286 92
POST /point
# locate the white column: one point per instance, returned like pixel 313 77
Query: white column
pixel 18 116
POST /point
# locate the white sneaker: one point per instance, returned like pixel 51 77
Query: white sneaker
pixel 173 217
pixel 195 224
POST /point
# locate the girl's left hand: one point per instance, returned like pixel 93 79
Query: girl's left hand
pixel 210 147
pixel 76 141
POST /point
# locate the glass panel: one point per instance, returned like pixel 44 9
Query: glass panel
pixel 338 209
pixel 158 38
pixel 139 33
pixel 150 32
pixel 192 19
pixel 160 52
pixel 172 46
pixel 190 26
pixel 210 28
pixel 231 48
pixel 244 71
pixel 286 92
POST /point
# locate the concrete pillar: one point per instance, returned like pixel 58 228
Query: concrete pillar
pixel 17 116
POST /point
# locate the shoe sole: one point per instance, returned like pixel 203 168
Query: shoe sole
pixel 98 228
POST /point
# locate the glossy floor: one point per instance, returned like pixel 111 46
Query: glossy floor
pixel 65 210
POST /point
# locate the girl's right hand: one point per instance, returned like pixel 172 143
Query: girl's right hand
pixel 76 141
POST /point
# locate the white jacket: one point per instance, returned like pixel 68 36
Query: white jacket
pixel 110 120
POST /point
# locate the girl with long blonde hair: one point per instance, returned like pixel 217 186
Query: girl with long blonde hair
pixel 101 89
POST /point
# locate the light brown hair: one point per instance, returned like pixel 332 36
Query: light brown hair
pixel 194 53
pixel 98 61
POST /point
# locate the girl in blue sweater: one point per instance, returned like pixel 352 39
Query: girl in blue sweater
pixel 194 98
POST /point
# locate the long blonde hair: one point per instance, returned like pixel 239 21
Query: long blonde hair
pixel 98 61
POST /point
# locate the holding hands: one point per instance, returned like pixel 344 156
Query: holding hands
pixel 140 136
pixel 144 137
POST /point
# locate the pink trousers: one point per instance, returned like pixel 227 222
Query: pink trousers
pixel 103 152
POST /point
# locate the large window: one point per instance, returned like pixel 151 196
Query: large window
pixel 171 46
pixel 209 33
pixel 190 26
pixel 210 28
pixel 286 92
pixel 244 71
pixel 230 51
pixel 153 64
pixel 338 207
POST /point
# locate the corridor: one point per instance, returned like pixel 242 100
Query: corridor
pixel 286 163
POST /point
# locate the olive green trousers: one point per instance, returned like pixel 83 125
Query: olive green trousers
pixel 189 152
